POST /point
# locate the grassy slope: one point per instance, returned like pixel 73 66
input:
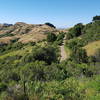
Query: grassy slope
pixel 26 49
pixel 22 51
pixel 92 47
pixel 68 52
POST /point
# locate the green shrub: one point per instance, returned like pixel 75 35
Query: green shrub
pixel 46 54
pixel 51 37
pixel 79 56
pixel 75 31
pixel 3 87
pixel 6 35
pixel 74 44
pixel 96 18
pixel 60 38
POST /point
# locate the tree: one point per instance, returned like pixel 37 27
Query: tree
pixel 78 29
pixel 49 24
pixel 74 44
pixel 51 37
pixel 47 54
pixel 75 31
pixel 80 56
pixel 60 36
pixel 96 18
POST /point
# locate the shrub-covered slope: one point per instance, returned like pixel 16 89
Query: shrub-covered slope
pixel 31 70
pixel 24 32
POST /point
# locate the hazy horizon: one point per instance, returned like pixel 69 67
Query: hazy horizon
pixel 61 13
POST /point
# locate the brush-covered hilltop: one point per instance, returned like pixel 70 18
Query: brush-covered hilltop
pixel 41 62
pixel 25 32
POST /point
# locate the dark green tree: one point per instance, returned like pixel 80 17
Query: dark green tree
pixel 74 44
pixel 51 37
pixel 80 56
pixel 49 24
pixel 92 59
pixel 47 54
pixel 75 31
pixel 96 18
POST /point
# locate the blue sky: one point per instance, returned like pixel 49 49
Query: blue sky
pixel 62 13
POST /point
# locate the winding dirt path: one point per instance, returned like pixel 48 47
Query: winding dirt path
pixel 63 52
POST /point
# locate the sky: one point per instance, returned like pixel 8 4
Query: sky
pixel 61 13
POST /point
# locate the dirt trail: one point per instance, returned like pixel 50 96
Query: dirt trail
pixel 63 52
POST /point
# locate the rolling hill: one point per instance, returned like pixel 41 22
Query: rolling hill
pixel 24 32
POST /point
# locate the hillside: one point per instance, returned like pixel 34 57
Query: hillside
pixel 92 47
pixel 40 62
pixel 24 32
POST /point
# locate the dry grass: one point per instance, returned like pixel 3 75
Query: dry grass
pixel 32 38
pixel 5 39
pixel 24 38
pixel 92 47
pixel 36 32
